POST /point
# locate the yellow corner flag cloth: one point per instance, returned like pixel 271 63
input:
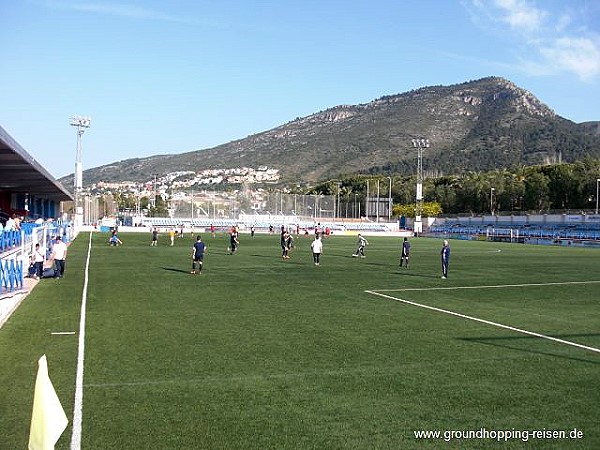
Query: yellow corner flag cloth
pixel 48 420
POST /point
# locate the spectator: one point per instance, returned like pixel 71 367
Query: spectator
pixel 59 255
pixel 10 224
pixel 38 261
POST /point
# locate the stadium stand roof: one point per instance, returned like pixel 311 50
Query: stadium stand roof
pixel 20 172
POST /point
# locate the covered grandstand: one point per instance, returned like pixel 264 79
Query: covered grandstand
pixel 27 192
pixel 26 188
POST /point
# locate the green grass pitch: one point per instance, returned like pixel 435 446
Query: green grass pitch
pixel 260 353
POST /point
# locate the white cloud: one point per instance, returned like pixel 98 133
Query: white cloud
pixel 580 56
pixel 563 23
pixel 549 41
pixel 521 15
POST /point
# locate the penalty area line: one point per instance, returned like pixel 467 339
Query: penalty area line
pixel 491 286
pixel 487 322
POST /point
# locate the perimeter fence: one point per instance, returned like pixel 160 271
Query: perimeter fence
pixel 232 205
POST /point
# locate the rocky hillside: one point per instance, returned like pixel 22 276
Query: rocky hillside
pixel 474 126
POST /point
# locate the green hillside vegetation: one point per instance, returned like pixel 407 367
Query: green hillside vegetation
pixel 539 188
pixel 474 126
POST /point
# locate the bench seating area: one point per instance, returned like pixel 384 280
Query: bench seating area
pixel 547 231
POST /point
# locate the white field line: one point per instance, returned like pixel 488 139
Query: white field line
pixel 495 286
pixel 78 406
pixel 488 322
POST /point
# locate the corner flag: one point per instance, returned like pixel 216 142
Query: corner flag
pixel 48 420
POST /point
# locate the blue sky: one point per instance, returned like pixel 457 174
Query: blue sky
pixel 161 77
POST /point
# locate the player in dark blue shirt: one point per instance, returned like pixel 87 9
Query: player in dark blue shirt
pixel 405 252
pixel 445 253
pixel 198 251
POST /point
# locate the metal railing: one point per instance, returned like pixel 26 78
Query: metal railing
pixel 16 248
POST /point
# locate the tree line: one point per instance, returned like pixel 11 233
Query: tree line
pixel 527 189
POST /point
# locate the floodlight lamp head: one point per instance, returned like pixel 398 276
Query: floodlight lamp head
pixel 81 121
pixel 417 143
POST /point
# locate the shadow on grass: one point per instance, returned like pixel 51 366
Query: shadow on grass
pixel 172 269
pixel 504 342
pixel 406 273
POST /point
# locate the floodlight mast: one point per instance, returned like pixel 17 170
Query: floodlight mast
pixel 81 123
pixel 597 192
pixel 419 144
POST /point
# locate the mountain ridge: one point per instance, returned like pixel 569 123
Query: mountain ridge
pixel 472 126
